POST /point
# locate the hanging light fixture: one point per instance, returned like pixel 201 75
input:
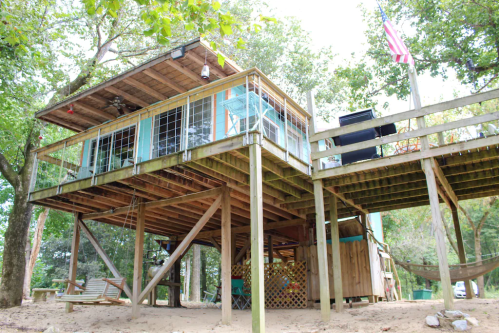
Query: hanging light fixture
pixel 70 111
pixel 205 72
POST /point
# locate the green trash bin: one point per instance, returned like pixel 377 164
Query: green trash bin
pixel 422 294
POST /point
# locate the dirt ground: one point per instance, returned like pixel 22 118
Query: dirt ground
pixel 399 316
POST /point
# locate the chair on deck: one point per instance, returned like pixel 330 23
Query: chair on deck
pixel 240 295
pixel 97 291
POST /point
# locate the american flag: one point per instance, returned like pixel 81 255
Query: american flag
pixel 398 50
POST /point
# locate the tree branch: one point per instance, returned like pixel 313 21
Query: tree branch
pixel 8 172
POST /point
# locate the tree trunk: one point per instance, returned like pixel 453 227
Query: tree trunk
pixel 196 270
pixel 14 262
pixel 187 280
pixel 37 241
pixel 27 255
pixel 478 257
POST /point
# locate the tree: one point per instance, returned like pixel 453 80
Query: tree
pixel 477 224
pixel 441 35
pixel 40 33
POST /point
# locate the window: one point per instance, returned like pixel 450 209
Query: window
pixel 167 132
pixel 294 143
pixel 329 144
pixel 115 150
pixel 200 122
pixel 270 130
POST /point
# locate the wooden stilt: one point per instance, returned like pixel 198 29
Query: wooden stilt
pixel 427 165
pixel 233 250
pixel 363 219
pixel 257 283
pixel 270 248
pixel 460 247
pixel 137 262
pixel 73 262
pixel 98 248
pixel 335 243
pixel 226 260
pixel 322 251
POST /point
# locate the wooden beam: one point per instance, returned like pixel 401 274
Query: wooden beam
pixel 280 256
pixel 200 61
pixel 137 262
pixel 58 121
pixel 257 276
pixel 56 161
pixel 427 110
pixel 187 72
pixel 180 249
pixel 109 263
pixel 94 111
pixel 335 191
pixel 127 96
pixel 163 79
pixel 270 249
pixel 80 117
pixel 336 257
pixel 470 293
pixel 443 180
pixel 73 261
pixel 156 204
pixel 148 90
pixel 320 223
pixel 215 243
pixel 98 98
pixel 226 260
pixel 243 250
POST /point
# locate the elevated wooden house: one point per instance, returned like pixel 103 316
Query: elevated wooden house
pixel 226 160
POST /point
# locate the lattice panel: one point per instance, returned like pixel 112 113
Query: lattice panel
pixel 285 284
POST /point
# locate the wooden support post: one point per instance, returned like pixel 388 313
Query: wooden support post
pixel 137 262
pixel 320 226
pixel 98 248
pixel 73 262
pixel 226 260
pixel 270 249
pixel 257 283
pixel 174 289
pixel 448 293
pixel 363 219
pixel 470 293
pixel 335 243
pixel 233 249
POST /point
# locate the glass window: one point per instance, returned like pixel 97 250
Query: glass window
pixel 294 144
pixel 200 122
pixel 167 132
pixel 270 130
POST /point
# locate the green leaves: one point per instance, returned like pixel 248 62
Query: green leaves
pixel 221 60
pixel 216 5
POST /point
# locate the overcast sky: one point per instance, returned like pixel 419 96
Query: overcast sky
pixel 339 24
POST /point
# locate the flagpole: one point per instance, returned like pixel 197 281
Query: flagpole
pixel 428 164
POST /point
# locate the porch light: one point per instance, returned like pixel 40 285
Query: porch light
pixel 178 53
pixel 205 72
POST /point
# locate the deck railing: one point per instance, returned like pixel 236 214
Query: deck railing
pixel 241 103
pixel 404 146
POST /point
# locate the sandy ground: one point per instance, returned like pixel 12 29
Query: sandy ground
pixel 393 317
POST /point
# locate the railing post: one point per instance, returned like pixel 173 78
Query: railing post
pixel 308 146
pixel 111 152
pixel 286 142
pixel 95 157
pixel 186 144
pixel 247 110
pixel 62 165
pixel 136 145
pixel 260 121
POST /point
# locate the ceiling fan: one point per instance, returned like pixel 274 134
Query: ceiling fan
pixel 118 104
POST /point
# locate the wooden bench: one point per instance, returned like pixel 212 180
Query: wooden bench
pixel 97 291
pixel 43 294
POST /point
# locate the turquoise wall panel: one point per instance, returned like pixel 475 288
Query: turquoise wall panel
pixel 377 226
pixel 220 114
pixel 84 160
pixel 145 139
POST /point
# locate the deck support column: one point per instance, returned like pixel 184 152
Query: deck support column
pixel 335 250
pixel 470 293
pixel 73 263
pixel 137 262
pixel 320 226
pixel 270 249
pixel 226 260
pixel 257 283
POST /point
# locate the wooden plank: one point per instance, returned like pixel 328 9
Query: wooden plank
pixel 407 135
pixel 82 118
pixel 163 79
pixel 56 161
pixel 94 111
pixel 98 248
pixel 156 204
pixel 455 103
pixel 461 252
pixel 443 180
pixel 181 247
pixel 137 262
pixel 200 61
pixel 280 256
pixel 322 251
pixel 335 191
pixel 257 278
pixel 408 157
pixel 148 90
pixel 226 260
pixel 215 243
pixel 187 72
pixel 127 96
pixel 243 250
pixel 336 257
pixel 73 262
pixel 270 249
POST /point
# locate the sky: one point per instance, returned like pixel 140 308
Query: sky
pixel 339 24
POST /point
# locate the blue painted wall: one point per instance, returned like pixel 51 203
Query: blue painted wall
pixel 84 160
pixel 144 139
pixel 220 114
pixel 377 226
